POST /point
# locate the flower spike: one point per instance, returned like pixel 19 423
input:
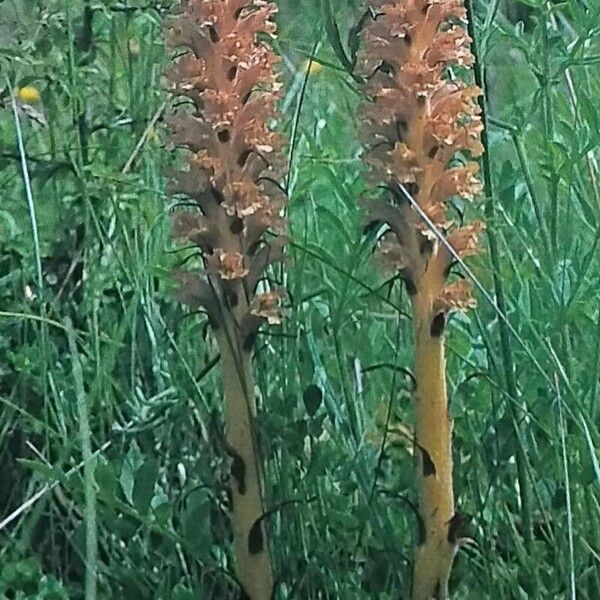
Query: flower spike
pixel 234 161
pixel 421 132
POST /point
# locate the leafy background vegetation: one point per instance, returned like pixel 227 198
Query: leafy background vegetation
pixel 96 356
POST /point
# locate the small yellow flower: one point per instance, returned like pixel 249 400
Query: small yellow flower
pixel 29 94
pixel 311 67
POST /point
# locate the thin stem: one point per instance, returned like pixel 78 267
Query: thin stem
pixel 531 188
pixel 561 424
pixel 28 195
pixel 596 372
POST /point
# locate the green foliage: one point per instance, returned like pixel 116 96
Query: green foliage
pixel 338 369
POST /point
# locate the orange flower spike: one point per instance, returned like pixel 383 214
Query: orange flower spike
pixel 419 125
pixel 234 162
pixel 229 75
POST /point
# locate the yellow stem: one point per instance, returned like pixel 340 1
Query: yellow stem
pixel 251 549
pixel 434 554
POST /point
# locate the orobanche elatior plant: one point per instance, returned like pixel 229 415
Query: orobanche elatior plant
pixel 233 218
pixel 421 133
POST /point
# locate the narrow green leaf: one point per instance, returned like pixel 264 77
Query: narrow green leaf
pixel 46 471
pixel 333 33
pixel 592 451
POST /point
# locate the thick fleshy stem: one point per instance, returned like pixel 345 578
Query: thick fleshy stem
pixel 251 552
pixel 233 218
pixel 419 131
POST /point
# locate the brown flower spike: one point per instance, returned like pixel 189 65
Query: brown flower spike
pixel 421 132
pixel 233 218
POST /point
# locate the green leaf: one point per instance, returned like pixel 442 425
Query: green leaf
pixel 46 471
pixel 106 478
pixel 180 592
pixel 143 487
pixel 313 397
pixel 196 522
pixel 51 589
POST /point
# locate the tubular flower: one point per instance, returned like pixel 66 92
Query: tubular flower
pixel 233 217
pixel 421 133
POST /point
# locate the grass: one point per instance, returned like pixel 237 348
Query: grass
pixel 523 374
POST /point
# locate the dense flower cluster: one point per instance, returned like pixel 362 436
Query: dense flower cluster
pixel 227 72
pixel 422 131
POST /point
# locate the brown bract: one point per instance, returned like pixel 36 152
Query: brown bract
pixel 234 165
pixel 421 131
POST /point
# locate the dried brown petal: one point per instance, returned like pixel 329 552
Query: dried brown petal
pixel 459 181
pixel 392 256
pixel 229 264
pixel 268 306
pixel 455 296
pixel 192 227
pixel 464 240
pixel 404 164
pixel 450 46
